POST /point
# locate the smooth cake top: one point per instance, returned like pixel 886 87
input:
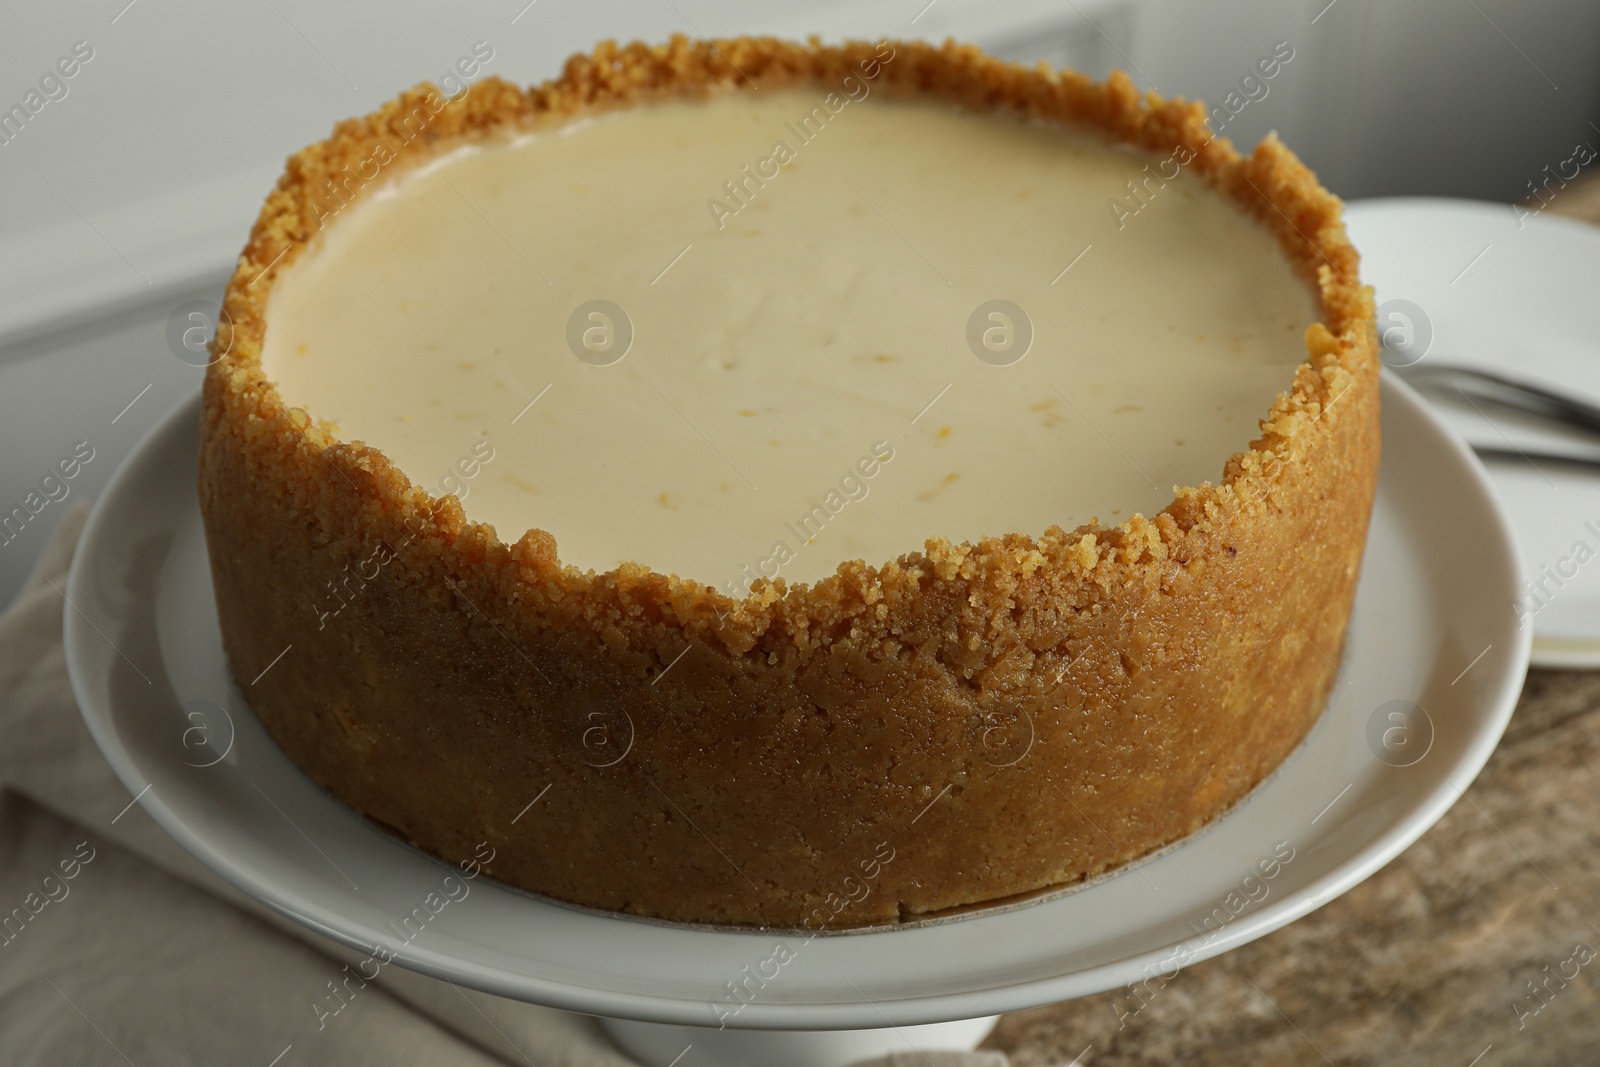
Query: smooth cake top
pixel 764 333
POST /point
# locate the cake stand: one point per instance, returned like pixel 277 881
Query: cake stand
pixel 1432 667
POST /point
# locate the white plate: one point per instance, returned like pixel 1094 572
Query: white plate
pixel 1517 295
pixel 144 640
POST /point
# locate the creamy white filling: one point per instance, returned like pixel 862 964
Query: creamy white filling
pixel 802 287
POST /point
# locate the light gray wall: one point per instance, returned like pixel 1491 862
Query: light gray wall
pixel 1467 98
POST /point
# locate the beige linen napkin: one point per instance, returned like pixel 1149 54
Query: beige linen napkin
pixel 122 949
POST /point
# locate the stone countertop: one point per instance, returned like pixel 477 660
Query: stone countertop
pixel 1452 955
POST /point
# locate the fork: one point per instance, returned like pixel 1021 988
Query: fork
pixel 1517 394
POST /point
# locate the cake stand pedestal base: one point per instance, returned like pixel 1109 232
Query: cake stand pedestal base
pixel 662 1045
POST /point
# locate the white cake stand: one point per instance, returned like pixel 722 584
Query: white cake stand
pixel 1433 665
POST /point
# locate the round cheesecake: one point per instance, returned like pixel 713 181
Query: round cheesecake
pixel 759 484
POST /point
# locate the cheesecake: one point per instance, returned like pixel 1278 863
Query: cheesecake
pixel 762 484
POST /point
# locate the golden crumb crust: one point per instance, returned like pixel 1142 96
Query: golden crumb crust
pixel 954 727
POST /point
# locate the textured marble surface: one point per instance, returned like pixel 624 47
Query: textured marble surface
pixel 1457 954
pixel 1428 962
